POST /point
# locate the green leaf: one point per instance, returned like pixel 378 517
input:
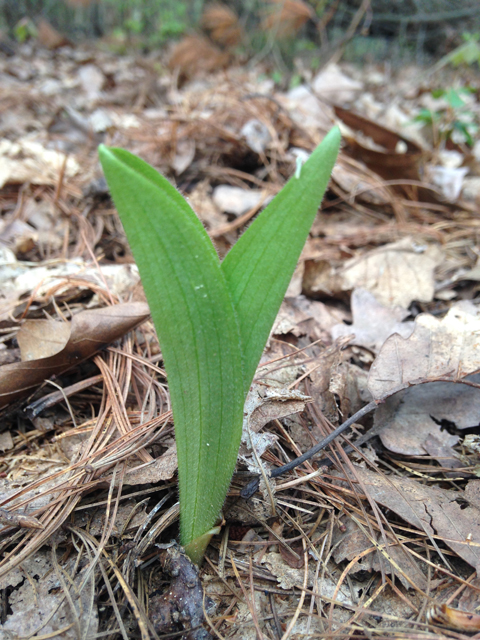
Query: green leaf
pixel 197 329
pixel 454 99
pixel 260 265
pixel 211 319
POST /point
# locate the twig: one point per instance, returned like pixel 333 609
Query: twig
pixel 249 489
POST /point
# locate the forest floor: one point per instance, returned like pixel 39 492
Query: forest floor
pixel 381 541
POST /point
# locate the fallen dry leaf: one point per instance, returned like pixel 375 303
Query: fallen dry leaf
pixel 264 404
pixel 184 155
pixel 382 150
pixel 373 322
pixel 128 517
pixel 202 203
pixel 6 441
pixel 333 85
pixel 349 384
pixel 238 201
pixel 38 603
pixel 90 331
pixel 256 135
pixel 161 469
pixel 18 235
pixel 430 509
pixel 356 181
pixel 92 81
pixel 307 110
pixel 290 319
pixel 413 415
pixel 278 366
pixel 49 37
pixel 289 577
pixel 42 338
pixel 353 542
pixel 300 316
pixel 447 348
pixel 396 273
pixel 196 54
pixel 321 378
pixel 27 160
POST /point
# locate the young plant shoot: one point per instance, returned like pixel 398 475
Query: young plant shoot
pixel 212 318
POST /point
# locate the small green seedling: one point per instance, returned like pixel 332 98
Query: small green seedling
pixel 455 122
pixel 212 318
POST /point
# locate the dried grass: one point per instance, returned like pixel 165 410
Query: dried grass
pixel 222 25
pixel 285 18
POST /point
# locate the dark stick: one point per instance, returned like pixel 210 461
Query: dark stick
pixel 250 488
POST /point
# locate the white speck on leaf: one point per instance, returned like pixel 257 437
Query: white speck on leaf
pixel 298 170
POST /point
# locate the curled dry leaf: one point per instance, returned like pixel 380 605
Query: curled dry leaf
pixel 447 349
pixel 160 469
pixel 6 441
pixel 19 278
pixel 265 404
pixel 382 150
pixel 453 618
pixel 261 406
pixel 184 155
pixel 348 383
pixel 92 81
pixel 412 417
pixel 12 519
pixel 322 374
pixel 90 331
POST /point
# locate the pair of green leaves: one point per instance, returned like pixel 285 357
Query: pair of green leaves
pixel 212 319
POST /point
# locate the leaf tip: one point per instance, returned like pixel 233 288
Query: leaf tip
pixel 334 135
pixel 103 151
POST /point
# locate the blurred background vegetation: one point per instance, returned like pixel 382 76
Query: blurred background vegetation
pixel 363 30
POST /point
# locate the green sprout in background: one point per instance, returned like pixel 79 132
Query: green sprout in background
pixel 212 318
pixel 455 121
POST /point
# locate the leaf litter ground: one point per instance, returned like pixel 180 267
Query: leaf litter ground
pixel 379 541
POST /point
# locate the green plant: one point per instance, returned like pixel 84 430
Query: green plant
pixel 25 29
pixel 454 122
pixel 212 319
pixel 465 54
